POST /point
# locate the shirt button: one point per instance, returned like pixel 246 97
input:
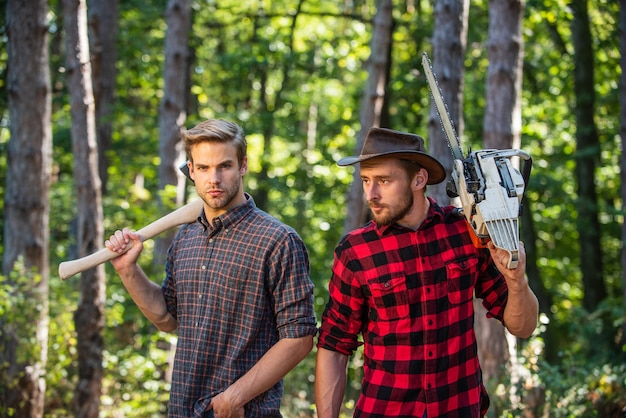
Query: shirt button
pixel 211 240
pixel 430 322
pixel 199 295
pixel 430 353
pixel 196 324
pixel 203 267
pixel 386 284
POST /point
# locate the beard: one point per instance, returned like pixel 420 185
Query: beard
pixel 224 200
pixel 393 213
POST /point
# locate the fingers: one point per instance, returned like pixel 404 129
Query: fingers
pixel 223 408
pixel 120 240
pixel 502 257
pixel 503 261
pixel 522 251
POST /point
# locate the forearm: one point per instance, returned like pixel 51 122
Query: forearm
pixel 522 308
pixel 148 297
pixel 273 366
pixel 521 312
pixel 330 382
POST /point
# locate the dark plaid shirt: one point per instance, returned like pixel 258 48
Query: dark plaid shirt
pixel 409 294
pixel 235 288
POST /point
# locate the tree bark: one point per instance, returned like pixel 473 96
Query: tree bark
pixel 173 115
pixel 503 112
pixel 587 156
pixel 528 235
pixel 449 47
pixel 103 24
pixel 502 130
pixel 89 317
pixel 371 106
pixel 27 207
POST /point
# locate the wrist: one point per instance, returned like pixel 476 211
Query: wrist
pixel 128 272
pixel 234 397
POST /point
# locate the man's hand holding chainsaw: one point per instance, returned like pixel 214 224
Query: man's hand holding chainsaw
pixel 146 294
pixel 522 308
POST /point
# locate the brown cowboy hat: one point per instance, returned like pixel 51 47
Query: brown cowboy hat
pixel 381 142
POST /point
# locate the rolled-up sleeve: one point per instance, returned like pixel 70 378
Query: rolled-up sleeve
pixel 292 289
pixel 343 315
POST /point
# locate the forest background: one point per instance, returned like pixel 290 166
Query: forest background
pixel 89 145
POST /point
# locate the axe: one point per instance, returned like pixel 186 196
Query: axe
pixel 185 214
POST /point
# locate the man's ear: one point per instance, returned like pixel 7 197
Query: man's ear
pixel 244 166
pixel 190 170
pixel 420 179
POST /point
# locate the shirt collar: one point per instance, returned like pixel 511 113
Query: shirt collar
pixel 230 218
pixel 434 215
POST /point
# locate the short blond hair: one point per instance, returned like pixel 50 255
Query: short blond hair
pixel 216 130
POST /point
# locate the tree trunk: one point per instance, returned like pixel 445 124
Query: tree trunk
pixel 173 115
pixel 528 235
pixel 27 209
pixel 103 24
pixel 502 130
pixel 587 156
pixel 503 112
pixel 449 46
pixel 89 317
pixel 371 106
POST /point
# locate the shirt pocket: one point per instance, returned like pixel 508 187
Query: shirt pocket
pixel 390 297
pixel 461 279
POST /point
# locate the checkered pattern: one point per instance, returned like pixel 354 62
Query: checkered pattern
pixel 410 295
pixel 235 288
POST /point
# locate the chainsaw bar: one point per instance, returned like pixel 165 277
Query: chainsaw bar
pixel 444 116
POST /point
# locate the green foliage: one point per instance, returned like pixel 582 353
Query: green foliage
pixel 19 342
pixel 549 135
pixel 580 389
pixel 137 362
pixel 17 312
pixel 3 181
pixel 297 397
pixel 61 370
pixel 574 388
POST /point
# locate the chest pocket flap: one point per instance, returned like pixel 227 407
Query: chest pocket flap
pixel 461 279
pixel 390 297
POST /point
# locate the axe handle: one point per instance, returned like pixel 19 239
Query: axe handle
pixel 182 215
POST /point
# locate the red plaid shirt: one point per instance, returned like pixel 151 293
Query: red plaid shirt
pixel 410 294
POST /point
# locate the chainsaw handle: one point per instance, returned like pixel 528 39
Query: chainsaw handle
pixel 528 161
pixel 508 153
pixel 528 164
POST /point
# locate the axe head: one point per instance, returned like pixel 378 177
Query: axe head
pixel 185 170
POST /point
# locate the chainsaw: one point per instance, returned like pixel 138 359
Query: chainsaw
pixel 489 187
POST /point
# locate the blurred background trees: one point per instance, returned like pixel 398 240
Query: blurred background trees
pixel 306 79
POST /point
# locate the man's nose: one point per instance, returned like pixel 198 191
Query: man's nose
pixel 213 177
pixel 372 192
